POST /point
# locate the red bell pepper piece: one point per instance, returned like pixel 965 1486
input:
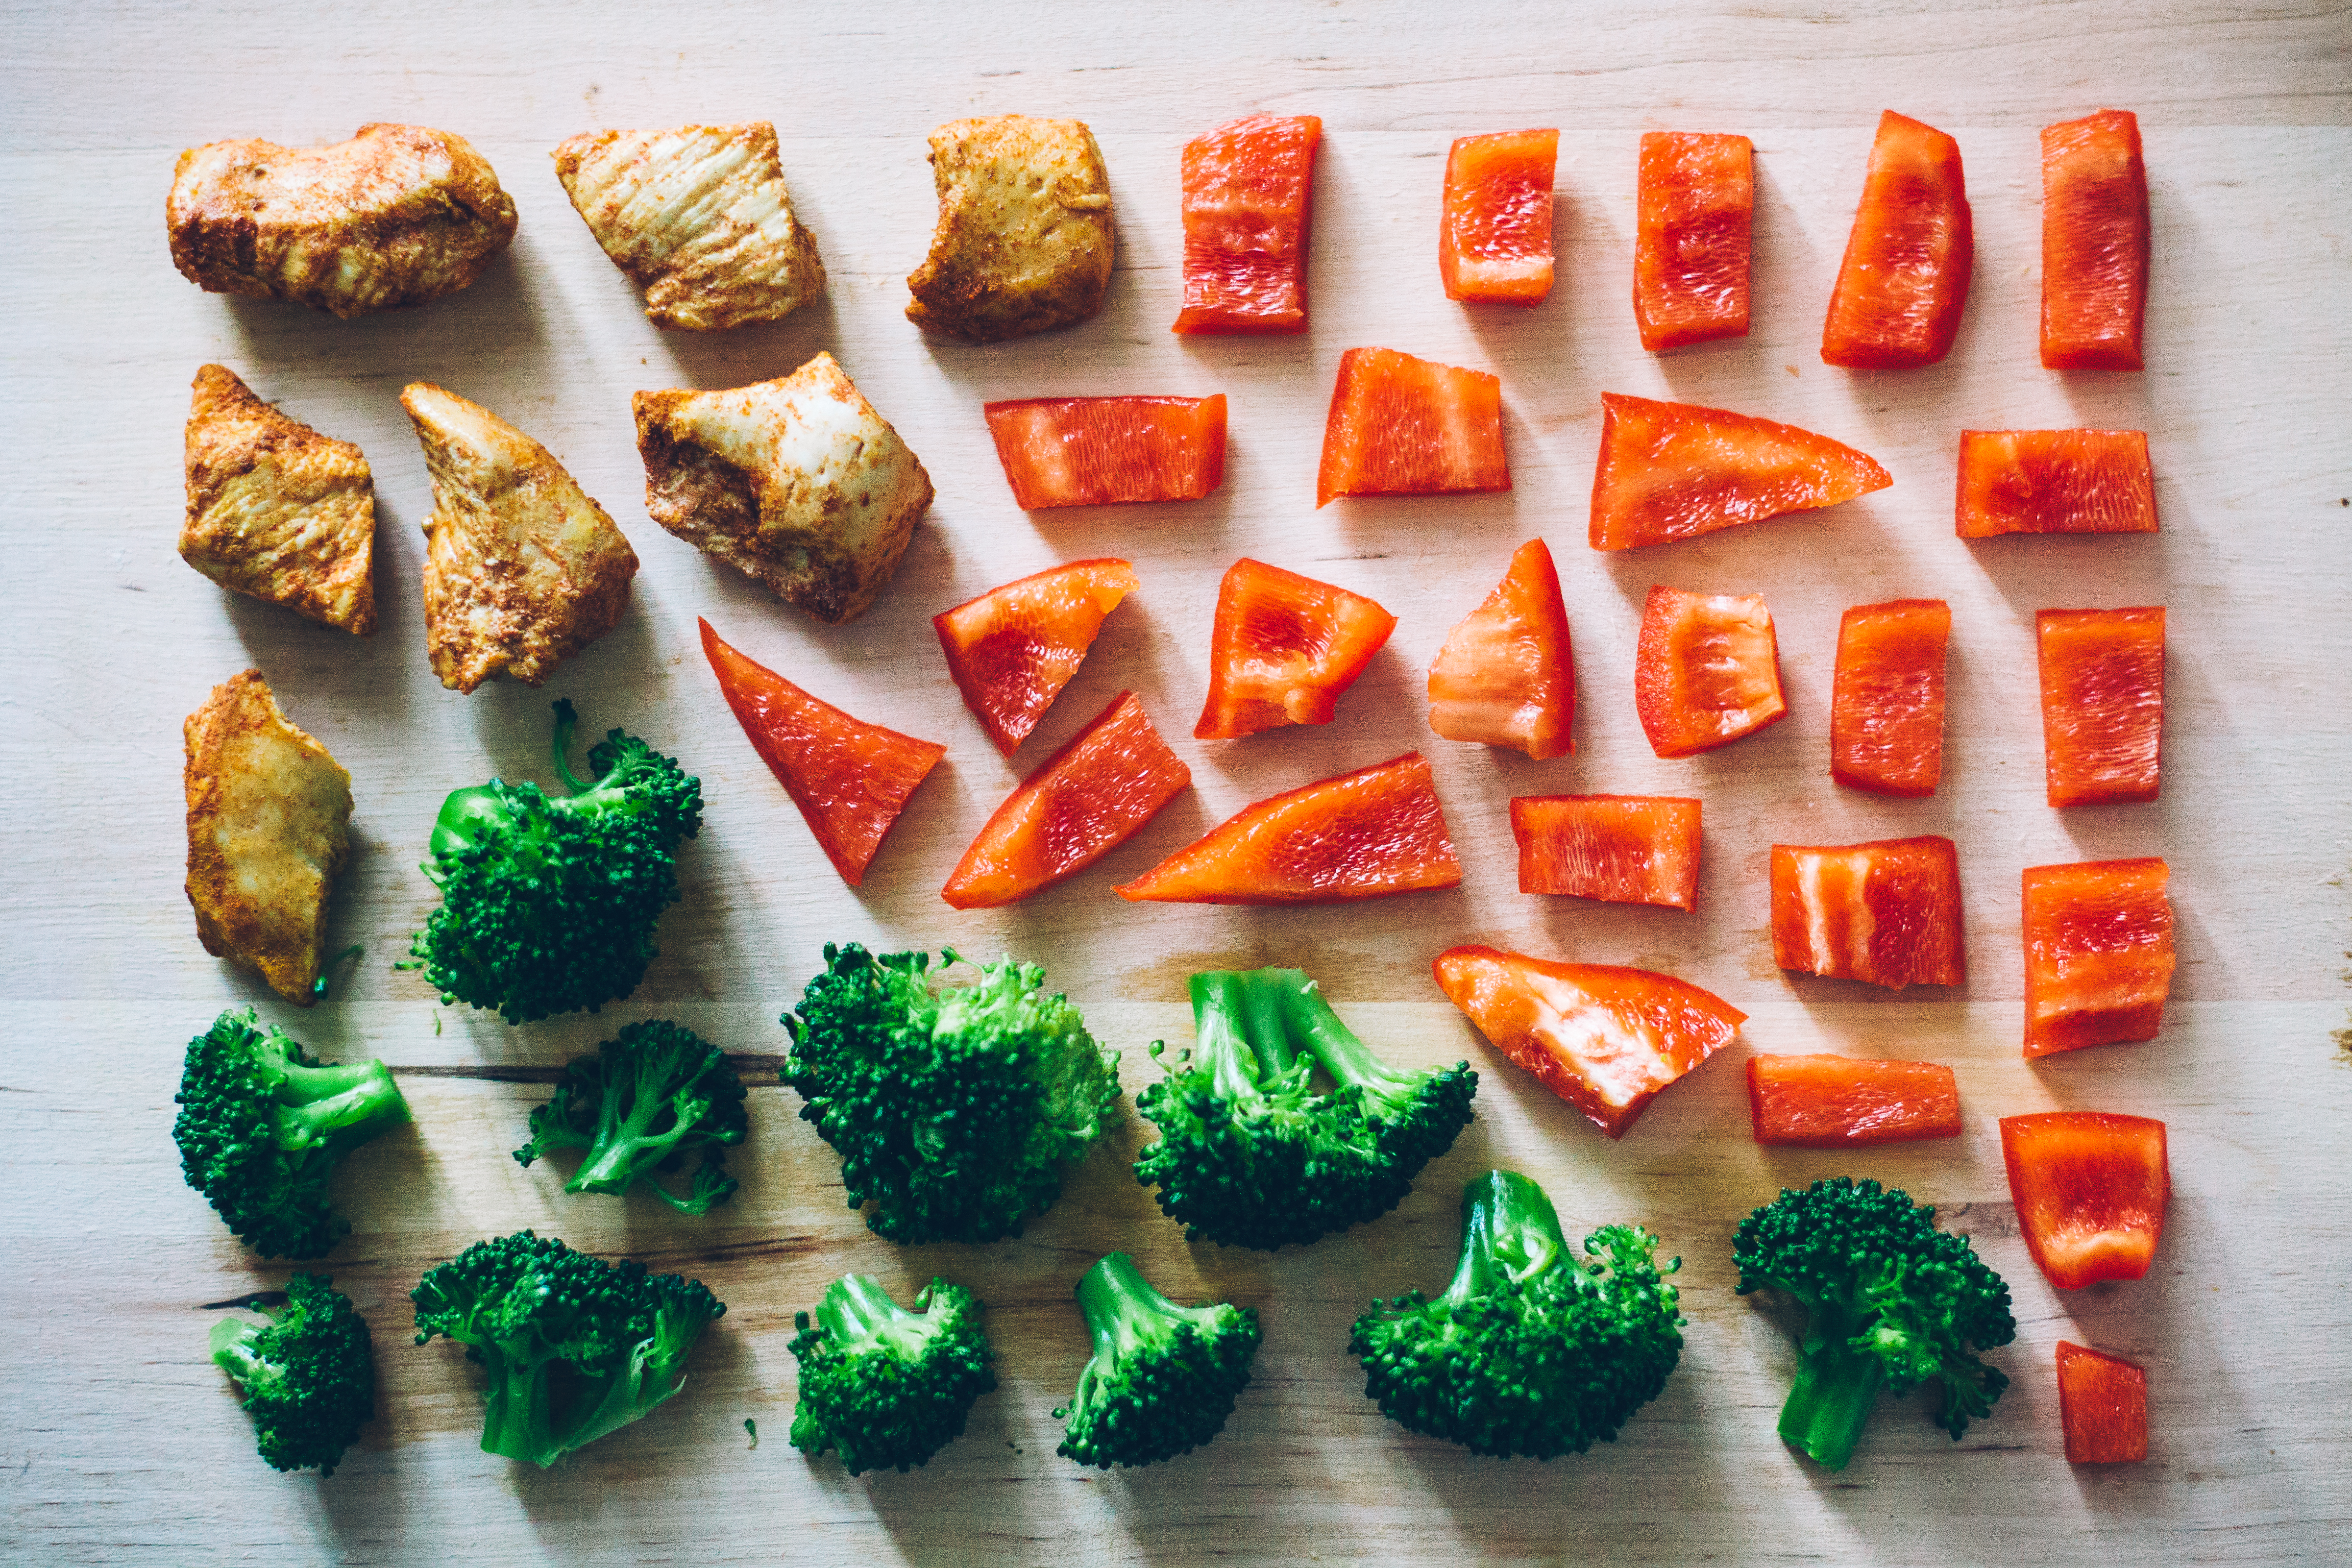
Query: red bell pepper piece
pixel 2101 703
pixel 2098 953
pixel 2054 482
pixel 2094 243
pixel 1690 254
pixel 1674 470
pixel 1249 191
pixel 1888 912
pixel 850 780
pixel 1604 1038
pixel 1088 798
pixel 1013 649
pixel 1617 849
pixel 1886 701
pixel 1283 648
pixel 1406 427
pixel 1706 670
pixel 1906 272
pixel 1363 835
pixel 1506 676
pixel 1094 451
pixel 1844 1102
pixel 1493 240
pixel 2103 1404
pixel 2090 1189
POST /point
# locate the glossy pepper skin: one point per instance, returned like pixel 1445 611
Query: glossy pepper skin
pixel 2103 1406
pixel 1249 188
pixel 2094 243
pixel 2101 703
pixel 1506 676
pixel 2054 482
pixel 1400 425
pixel 1888 912
pixel 1013 649
pixel 1494 236
pixel 1616 848
pixel 1283 650
pixel 1364 834
pixel 849 779
pixel 2091 1189
pixel 1096 451
pixel 1697 203
pixel 1886 698
pixel 1706 670
pixel 1847 1103
pixel 2098 953
pixel 1905 278
pixel 1087 800
pixel 1675 471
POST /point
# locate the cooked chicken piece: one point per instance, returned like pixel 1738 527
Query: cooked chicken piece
pixel 1024 239
pixel 275 509
pixel 797 483
pixel 269 830
pixel 698 218
pixel 521 568
pixel 396 215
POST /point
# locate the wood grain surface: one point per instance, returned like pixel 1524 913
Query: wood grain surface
pixel 123 1442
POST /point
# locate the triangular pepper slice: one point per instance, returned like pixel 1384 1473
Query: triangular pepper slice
pixel 1013 649
pixel 850 779
pixel 1406 427
pixel 2090 1189
pixel 1283 650
pixel 1088 798
pixel 1604 1038
pixel 1506 676
pixel 1364 834
pixel 1675 471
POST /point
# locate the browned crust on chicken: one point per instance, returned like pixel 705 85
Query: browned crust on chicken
pixel 1025 241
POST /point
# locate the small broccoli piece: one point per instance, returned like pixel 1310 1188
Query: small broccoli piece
pixel 575 1347
pixel 1250 1154
pixel 307 1375
pixel 954 1111
pixel 1163 1378
pixel 1532 1349
pixel 549 903
pixel 884 1386
pixel 1893 1300
pixel 262 1126
pixel 640 1105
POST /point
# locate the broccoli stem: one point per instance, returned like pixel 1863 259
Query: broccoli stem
pixel 345 1104
pixel 1509 1232
pixel 232 1348
pixel 566 721
pixel 512 1420
pixel 624 1146
pixel 857 1306
pixel 1221 1039
pixel 1125 1313
pixel 1830 1402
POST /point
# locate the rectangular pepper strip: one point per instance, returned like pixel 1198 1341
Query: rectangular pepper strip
pixel 1904 277
pixel 2101 703
pixel 1886 699
pixel 1494 236
pixel 2094 243
pixel 1249 191
pixel 1844 1102
pixel 1697 202
pixel 2054 482
pixel 2103 1405
pixel 1616 848
pixel 2098 953
pixel 1888 912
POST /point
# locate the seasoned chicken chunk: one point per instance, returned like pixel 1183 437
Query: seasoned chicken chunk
pixel 396 215
pixel 797 483
pixel 274 508
pixel 269 830
pixel 521 568
pixel 1024 239
pixel 698 218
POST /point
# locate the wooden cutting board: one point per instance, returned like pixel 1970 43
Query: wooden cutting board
pixel 124 1443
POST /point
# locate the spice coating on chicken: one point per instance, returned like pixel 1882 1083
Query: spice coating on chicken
pixel 1024 239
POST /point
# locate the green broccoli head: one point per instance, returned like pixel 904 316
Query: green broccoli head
pixel 1532 1349
pixel 574 1347
pixel 1894 1302
pixel 886 1387
pixel 1163 1378
pixel 953 1111
pixel 307 1375
pixel 645 1102
pixel 549 903
pixel 1251 1155
pixel 262 1126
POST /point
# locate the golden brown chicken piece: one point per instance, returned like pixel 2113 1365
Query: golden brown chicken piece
pixel 1025 240
pixel 275 509
pixel 521 568
pixel 698 217
pixel 269 830
pixel 396 215
pixel 797 483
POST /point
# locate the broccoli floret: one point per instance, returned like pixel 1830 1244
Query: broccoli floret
pixel 1163 1378
pixel 1532 1349
pixel 549 903
pixel 884 1386
pixel 575 1347
pixel 640 1105
pixel 307 1375
pixel 1893 1302
pixel 1250 1154
pixel 953 1111
pixel 262 1126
